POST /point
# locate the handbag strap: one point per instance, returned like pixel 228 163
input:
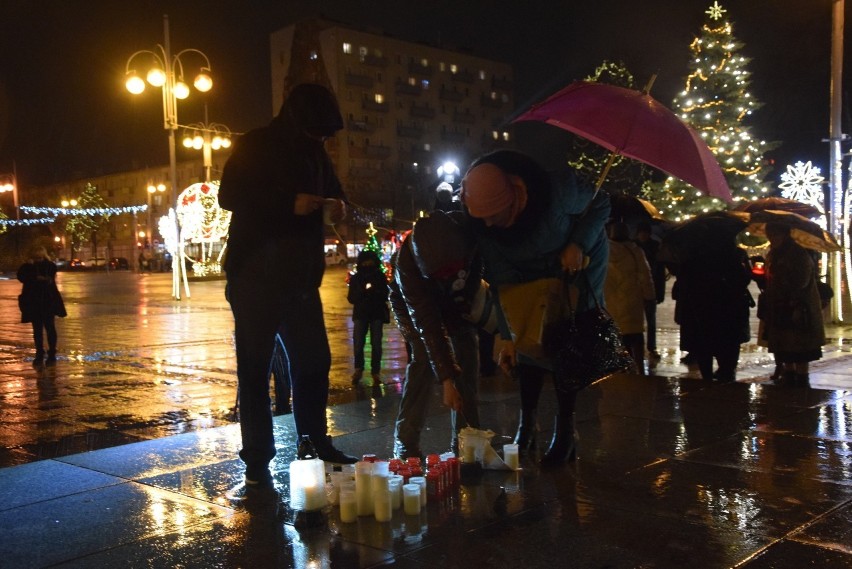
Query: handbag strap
pixel 569 280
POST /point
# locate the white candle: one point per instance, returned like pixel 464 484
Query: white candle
pixel 511 457
pixel 364 488
pixel 468 452
pixel 421 481
pixel 382 501
pixel 411 499
pixel 395 485
pixel 348 507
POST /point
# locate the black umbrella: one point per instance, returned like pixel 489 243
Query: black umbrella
pixel 701 233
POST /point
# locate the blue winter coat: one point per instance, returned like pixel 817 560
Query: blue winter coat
pixel 531 248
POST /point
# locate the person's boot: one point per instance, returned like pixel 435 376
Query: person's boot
pixel 327 452
pixel 527 433
pixel 357 375
pixel 38 359
pixel 51 358
pixel 563 446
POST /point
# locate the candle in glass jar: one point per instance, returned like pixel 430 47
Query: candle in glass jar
pixel 395 483
pixel 382 507
pixel 411 499
pixel 421 481
pixel 348 506
pixel 364 488
pixel 511 457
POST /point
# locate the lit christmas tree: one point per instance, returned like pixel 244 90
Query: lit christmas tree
pixel 626 176
pixel 715 102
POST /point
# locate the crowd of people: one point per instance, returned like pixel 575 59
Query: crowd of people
pixel 476 268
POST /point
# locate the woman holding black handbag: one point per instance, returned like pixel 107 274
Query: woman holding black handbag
pixel 536 227
pixel 40 302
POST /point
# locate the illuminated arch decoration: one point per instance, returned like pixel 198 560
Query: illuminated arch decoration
pixel 204 223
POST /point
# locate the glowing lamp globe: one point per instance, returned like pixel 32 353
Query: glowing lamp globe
pixel 134 83
pixel 181 90
pixel 198 142
pixel 156 77
pixel 187 142
pixel 203 82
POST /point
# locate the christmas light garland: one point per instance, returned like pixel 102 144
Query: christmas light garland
pixel 87 211
pixel 26 222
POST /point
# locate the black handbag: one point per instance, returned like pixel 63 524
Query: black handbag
pixel 586 347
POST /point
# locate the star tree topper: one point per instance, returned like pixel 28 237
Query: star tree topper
pixel 715 12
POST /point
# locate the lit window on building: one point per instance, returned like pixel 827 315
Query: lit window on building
pixel 362 51
pixel 454 68
pixel 347 47
pixel 412 81
pixel 495 135
pixel 313 55
pixel 442 66
pixel 379 98
pixel 482 74
pixel 424 84
pixel 506 135
pixel 427 147
pixel 493 95
pixel 424 62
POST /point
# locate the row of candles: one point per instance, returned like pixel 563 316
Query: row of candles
pixel 373 487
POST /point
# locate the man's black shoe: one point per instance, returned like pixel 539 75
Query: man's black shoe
pixel 328 453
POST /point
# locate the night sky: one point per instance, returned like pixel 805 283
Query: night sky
pixel 64 110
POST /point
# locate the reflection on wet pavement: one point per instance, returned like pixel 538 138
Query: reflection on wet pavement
pixel 672 471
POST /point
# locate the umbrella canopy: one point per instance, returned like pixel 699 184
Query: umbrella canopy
pixel 779 204
pixel 700 234
pixel 630 208
pixel 802 230
pixel 636 125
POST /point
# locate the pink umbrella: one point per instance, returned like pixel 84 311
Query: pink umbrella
pixel 633 124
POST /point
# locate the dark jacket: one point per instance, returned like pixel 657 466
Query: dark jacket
pixel 432 307
pixel 368 290
pixel 40 298
pixel 658 270
pixel 267 168
pixel 712 297
pixel 793 310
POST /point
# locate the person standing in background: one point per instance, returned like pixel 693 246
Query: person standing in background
pixel 651 247
pixel 40 302
pixel 368 295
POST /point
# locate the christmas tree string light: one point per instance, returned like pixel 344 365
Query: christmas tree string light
pixel 715 102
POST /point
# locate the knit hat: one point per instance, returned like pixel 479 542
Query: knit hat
pixel 487 191
pixel 441 247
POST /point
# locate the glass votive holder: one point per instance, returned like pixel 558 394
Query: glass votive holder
pixel 411 499
pixel 395 483
pixel 511 456
pixel 421 481
pixel 348 506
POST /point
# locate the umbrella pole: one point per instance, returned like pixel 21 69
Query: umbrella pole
pixel 605 171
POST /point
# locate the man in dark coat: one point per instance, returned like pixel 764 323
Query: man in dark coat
pixel 277 183
pixel 437 276
pixel 368 295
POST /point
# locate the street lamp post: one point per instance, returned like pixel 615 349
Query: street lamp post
pixel 167 73
pixel 207 137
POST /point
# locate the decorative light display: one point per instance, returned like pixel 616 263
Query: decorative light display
pixel 204 223
pixel 802 182
pixel 82 211
pixel 26 222
pixel 715 102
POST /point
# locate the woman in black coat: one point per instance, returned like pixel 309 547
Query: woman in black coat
pixel 40 302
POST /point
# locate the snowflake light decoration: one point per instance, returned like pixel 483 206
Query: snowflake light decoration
pixel 802 182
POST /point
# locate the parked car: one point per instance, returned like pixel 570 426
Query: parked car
pixel 119 263
pixel 96 263
pixel 76 264
pixel 334 257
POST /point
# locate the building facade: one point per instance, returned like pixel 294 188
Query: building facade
pixel 407 108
